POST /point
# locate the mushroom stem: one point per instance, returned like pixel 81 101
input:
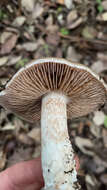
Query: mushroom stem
pixel 58 164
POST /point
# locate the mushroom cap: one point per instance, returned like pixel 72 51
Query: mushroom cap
pixel 85 90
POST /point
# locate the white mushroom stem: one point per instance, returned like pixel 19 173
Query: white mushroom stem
pixel 58 164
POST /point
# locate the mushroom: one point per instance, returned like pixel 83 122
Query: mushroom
pixel 54 89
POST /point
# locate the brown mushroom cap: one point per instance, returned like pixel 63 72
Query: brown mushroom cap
pixel 86 92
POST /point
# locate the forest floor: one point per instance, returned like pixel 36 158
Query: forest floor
pixel 75 30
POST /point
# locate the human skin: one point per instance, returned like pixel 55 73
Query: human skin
pixel 25 175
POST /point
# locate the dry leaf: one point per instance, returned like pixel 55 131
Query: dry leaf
pixel 98 118
pixel 72 54
pixel 68 4
pixel 28 5
pixel 95 130
pixel 35 134
pixel 99 66
pixel 13 59
pixel 76 23
pixel 28 46
pixel 38 11
pixel 2 160
pixel 9 44
pixel 3 60
pixel 25 139
pixel 91 182
pixel 53 39
pixel 37 152
pixel 103 178
pixel 5 36
pixel 104 4
pixel 102 17
pixel 71 17
pixel 101 165
pixel 83 144
pixel 19 21
pixel 8 126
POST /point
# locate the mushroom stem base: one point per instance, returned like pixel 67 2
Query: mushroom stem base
pixel 58 164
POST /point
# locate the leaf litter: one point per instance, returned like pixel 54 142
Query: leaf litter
pixel 70 29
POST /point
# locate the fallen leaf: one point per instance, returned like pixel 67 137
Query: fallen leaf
pixel 28 46
pixel 91 182
pixel 35 134
pixel 89 32
pixel 53 39
pixel 2 117
pixel 103 178
pixel 19 125
pixel 50 20
pixel 5 36
pixel 71 17
pixel 95 130
pixel 61 19
pixel 9 44
pixel 37 152
pixel 52 28
pixel 3 60
pixel 84 144
pixel 13 59
pixel 101 165
pixel 76 23
pixel 103 58
pixel 8 126
pixel 99 118
pixel 28 5
pixel 25 139
pixel 2 160
pixel 38 11
pixel 102 17
pixel 68 4
pixel 104 5
pixel 98 66
pixel 19 21
pixel 72 54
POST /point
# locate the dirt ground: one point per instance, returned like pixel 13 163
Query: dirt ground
pixel 75 30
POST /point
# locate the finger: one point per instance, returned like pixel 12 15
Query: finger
pixel 23 174
pixel 30 187
pixel 77 162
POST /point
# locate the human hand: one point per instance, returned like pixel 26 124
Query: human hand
pixel 24 176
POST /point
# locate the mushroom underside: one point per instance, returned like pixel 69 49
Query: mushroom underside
pixel 24 93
